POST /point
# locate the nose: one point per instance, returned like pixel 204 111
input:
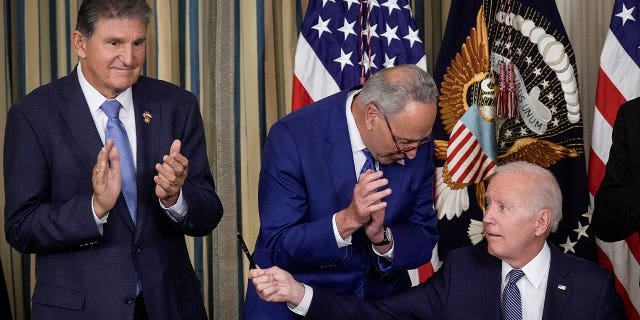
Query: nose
pixel 126 55
pixel 411 154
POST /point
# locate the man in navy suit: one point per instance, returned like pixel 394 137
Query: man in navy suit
pixel 335 219
pixel 523 205
pixel 101 254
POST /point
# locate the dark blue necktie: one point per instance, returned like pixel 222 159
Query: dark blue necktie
pixel 370 163
pixel 115 130
pixel 511 301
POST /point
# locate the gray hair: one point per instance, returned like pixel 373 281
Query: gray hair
pixel 392 88
pixel 547 194
pixel 93 10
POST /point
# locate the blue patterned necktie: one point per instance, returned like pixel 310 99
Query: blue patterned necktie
pixel 511 301
pixel 370 163
pixel 115 130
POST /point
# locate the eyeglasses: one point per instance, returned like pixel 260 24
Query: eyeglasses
pixel 405 146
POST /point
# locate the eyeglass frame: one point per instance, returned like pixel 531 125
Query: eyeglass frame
pixel 395 139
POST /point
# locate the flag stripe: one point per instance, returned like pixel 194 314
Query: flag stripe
pixel 613 56
pixel 606 262
pixel 608 98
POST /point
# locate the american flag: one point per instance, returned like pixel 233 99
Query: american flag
pixel 343 42
pixel 618 80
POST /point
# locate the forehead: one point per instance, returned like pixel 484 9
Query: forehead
pixel 415 120
pixel 508 186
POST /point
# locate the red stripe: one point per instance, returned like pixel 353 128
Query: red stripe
pixel 467 169
pixel 632 313
pixel 596 172
pixel 425 271
pixel 608 97
pixel 300 96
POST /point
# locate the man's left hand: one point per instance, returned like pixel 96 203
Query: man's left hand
pixel 172 174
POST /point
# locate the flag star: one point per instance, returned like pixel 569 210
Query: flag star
pixel 553 109
pixel 523 131
pixel 544 84
pixel 391 4
pixel 503 144
pixel 350 2
pixel 322 26
pixel 581 230
pixel 537 72
pixel 389 62
pixel 373 4
pixel 519 51
pixel 528 60
pixel 412 37
pixel 568 246
pixel 408 7
pixel 625 14
pixel 391 34
pixel 517 121
pixel 508 133
pixel 344 59
pixel 498 43
pixel 588 214
pixel 325 2
pixel 347 29
pixel 507 45
pixel 550 96
pixel 369 63
pixel 371 31
pixel 555 122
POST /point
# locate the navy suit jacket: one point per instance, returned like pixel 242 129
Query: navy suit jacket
pixel 51 146
pixel 307 175
pixel 468 287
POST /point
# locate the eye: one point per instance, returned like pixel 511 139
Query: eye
pixel 138 43
pixel 112 42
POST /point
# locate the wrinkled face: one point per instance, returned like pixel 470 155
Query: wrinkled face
pixel 113 57
pixel 510 228
pixel 393 138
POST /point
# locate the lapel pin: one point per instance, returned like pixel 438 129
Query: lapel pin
pixel 562 287
pixel 147 117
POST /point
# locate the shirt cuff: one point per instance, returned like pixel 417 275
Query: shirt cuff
pixel 178 210
pixel 99 221
pixel 389 254
pixel 341 242
pixel 303 307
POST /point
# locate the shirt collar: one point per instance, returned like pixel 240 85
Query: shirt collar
pixel 535 271
pixel 354 135
pixel 95 98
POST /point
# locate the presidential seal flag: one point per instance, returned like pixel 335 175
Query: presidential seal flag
pixel 618 80
pixel 343 42
pixel 508 92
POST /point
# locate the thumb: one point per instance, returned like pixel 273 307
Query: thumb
pixel 175 147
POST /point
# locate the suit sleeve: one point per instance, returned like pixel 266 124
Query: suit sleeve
pixel 610 305
pixel 34 223
pixel 617 208
pixel 205 209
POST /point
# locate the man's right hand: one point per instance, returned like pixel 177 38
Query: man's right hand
pixel 106 180
pixel 276 285
pixel 367 200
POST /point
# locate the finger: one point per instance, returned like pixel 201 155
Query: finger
pixel 114 159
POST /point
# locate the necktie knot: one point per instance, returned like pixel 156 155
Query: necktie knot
pixel 111 108
pixel 369 163
pixel 515 275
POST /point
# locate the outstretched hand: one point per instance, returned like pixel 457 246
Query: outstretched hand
pixel 172 174
pixel 276 285
pixel 106 179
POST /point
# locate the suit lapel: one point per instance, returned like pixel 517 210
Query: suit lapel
pixel 338 155
pixel 148 153
pixel 559 285
pixel 489 275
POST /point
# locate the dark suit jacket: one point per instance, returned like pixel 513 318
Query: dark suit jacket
pixel 51 145
pixel 468 287
pixel 616 213
pixel 307 175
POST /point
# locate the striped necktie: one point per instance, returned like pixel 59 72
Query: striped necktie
pixel 511 301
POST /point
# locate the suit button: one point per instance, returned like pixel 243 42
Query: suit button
pixel 136 250
pixel 129 300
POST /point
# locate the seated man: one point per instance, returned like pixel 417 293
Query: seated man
pixel 517 275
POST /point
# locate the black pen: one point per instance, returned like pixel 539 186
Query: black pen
pixel 252 265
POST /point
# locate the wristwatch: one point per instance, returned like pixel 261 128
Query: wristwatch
pixel 386 240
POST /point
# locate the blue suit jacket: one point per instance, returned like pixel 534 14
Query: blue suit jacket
pixel 468 287
pixel 51 145
pixel 307 175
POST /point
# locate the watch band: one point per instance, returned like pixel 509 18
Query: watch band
pixel 385 241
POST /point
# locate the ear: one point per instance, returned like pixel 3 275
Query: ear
pixel 79 42
pixel 543 219
pixel 372 113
